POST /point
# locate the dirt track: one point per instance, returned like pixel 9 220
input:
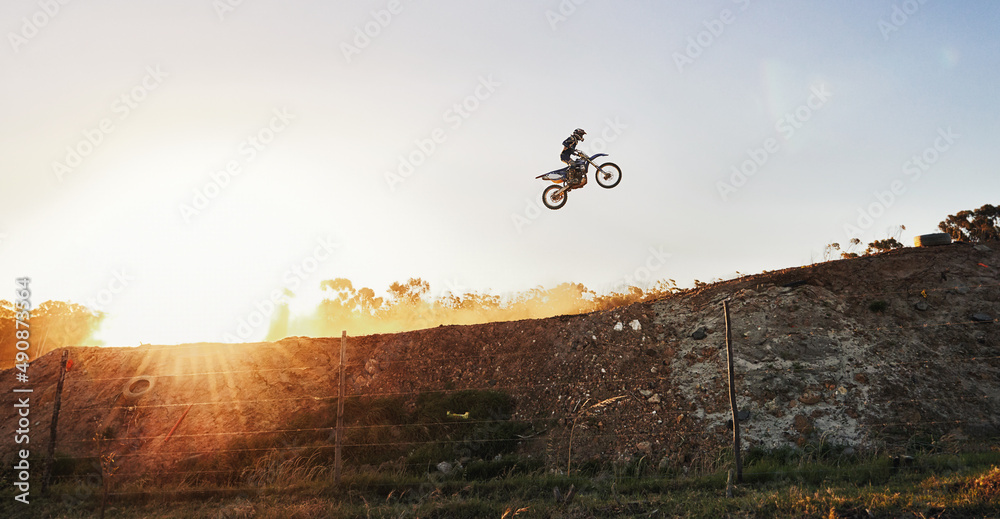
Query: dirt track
pixel 836 351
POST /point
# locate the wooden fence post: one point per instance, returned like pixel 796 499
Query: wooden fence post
pixel 732 395
pixel 55 422
pixel 340 412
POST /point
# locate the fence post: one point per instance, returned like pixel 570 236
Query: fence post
pixel 55 422
pixel 340 412
pixel 732 395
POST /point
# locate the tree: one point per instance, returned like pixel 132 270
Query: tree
pixel 410 306
pixel 847 253
pixel 830 250
pixel 348 300
pixel 52 325
pixel 885 245
pixel 979 225
pixel 410 293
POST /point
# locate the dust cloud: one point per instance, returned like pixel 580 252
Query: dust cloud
pixel 50 326
pixel 407 306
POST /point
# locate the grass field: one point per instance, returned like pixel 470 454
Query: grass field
pixel 775 485
pixel 393 469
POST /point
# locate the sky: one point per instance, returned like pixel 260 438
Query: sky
pixel 180 165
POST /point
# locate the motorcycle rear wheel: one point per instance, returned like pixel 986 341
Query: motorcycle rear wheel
pixel 551 200
pixel 608 175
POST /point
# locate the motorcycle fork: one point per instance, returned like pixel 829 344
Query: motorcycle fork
pixel 566 188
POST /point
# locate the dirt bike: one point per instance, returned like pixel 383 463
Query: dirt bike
pixel 608 175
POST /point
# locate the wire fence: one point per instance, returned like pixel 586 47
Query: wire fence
pixel 128 456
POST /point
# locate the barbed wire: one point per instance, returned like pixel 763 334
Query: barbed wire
pixel 570 398
pixel 658 474
pixel 227 372
pixel 481 356
pixel 370 395
pixel 323 429
pixel 526 421
pixel 406 364
pixel 817 464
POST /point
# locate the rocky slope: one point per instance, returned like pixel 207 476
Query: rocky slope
pixel 878 351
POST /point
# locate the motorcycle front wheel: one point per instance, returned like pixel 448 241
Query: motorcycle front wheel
pixel 608 175
pixel 551 199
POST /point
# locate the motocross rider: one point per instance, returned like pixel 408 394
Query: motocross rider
pixel 569 146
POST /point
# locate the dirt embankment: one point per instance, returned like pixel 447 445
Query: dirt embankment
pixel 874 351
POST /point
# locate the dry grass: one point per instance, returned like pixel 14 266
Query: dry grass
pixel 987 486
pixel 940 486
pixel 277 468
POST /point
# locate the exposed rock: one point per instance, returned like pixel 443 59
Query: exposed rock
pixel 644 447
pixel 982 318
pixel 831 341
pixel 810 399
pixel 922 306
pixel 699 334
pixel 802 424
pixel 742 415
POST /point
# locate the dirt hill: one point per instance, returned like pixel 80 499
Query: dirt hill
pixel 874 352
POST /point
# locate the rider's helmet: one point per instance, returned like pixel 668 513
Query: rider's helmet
pixel 579 133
